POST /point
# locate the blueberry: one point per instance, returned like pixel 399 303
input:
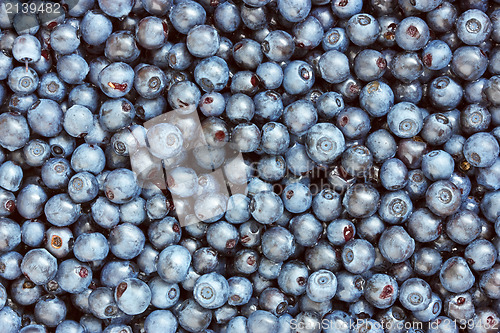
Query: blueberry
pixel 186 15
pixel 39 266
pixel 91 247
pixel 132 296
pixel 73 276
pixel 173 263
pixel 415 294
pixel 455 275
pixel 358 256
pixel 162 320
pixel 126 241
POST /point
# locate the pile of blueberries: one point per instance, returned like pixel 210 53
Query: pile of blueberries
pixel 358 143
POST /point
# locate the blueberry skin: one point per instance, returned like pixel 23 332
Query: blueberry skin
pixel 297 160
pixel 151 33
pixel 362 29
pixel 113 272
pixel 95 28
pixel 437 165
pixel 297 198
pixel 436 55
pixel 321 286
pixel 247 54
pixel 52 87
pixel 161 321
pixel 61 211
pixel 15 131
pixel 186 15
pixel 489 177
pixel 353 122
pixel 11 176
pixel 481 149
pixel 381 291
pixel 266 207
pixel 70 326
pixel 405 120
pixel 475 118
pixel 39 266
pixel 50 310
pixel 85 95
pixel 126 241
pixel 184 96
pixel 23 82
pixel 121 186
pixel 211 74
pixel 211 290
pixel 294 11
pixel 64 39
pixel 326 205
pixel 393 174
pixel 72 69
pixel 173 263
pixel 396 245
pixel 32 232
pixel 10 234
pixel 132 296
pixel 308 33
pixel 298 77
pixel 335 39
pixel 358 256
pixel 73 276
pixel 463 227
pixel 277 244
pixel 163 295
pixel 334 66
pixel 179 57
pixel 116 8
pixel 83 187
pixel 324 143
pixel 237 324
pixel 412 34
pixel 415 294
pixel 445 93
pixel 306 229
pixel 473 27
pixel 105 213
pixel 164 232
pixel 150 81
pixel 30 201
pixel 361 200
pixel 11 321
pixel 192 316
pixel 270 74
pixel 346 10
pixel 456 276
pixel 293 278
pixel 227 17
pixel 339 322
pixel 469 63
pixel 240 108
pixel 278 46
pixel 91 247
pixel 481 254
pixel 268 105
pixel 45 118
pixel 340 231
pixel 376 98
pixel 237 209
pixel 116 80
pixel 202 41
pixel 6 66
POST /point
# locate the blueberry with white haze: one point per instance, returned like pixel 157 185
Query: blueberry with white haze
pixel 253 166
